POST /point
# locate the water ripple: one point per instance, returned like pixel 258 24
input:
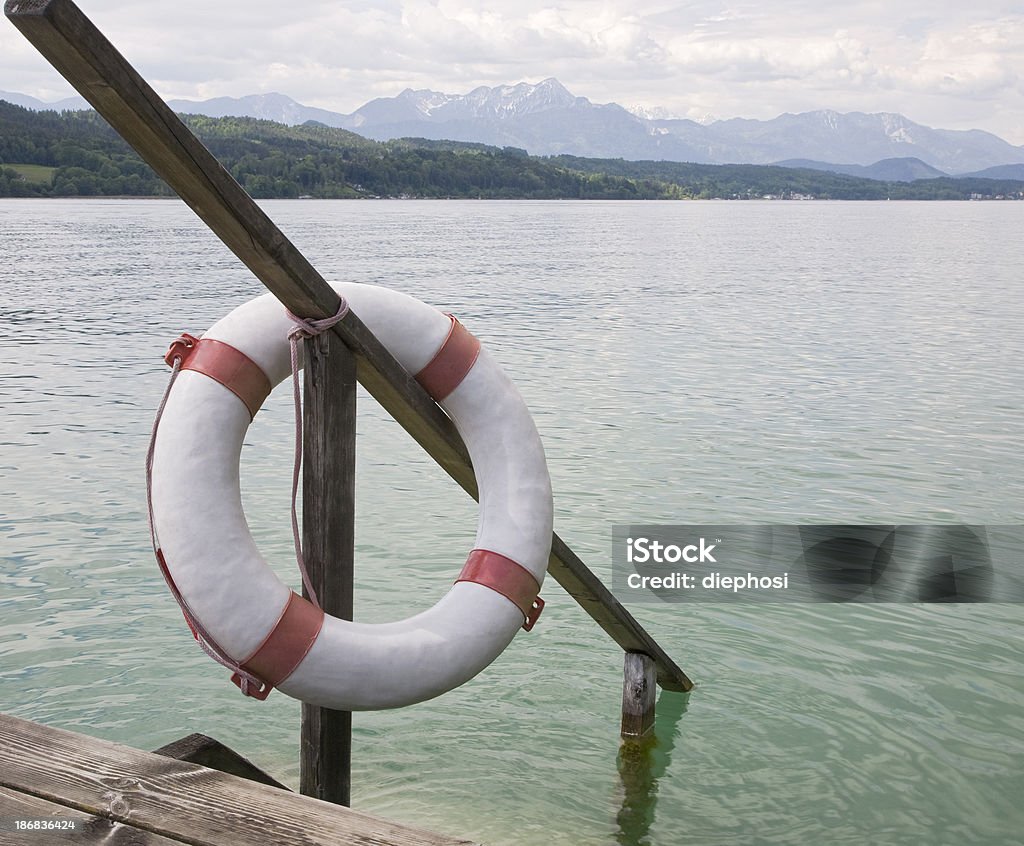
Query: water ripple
pixel 737 362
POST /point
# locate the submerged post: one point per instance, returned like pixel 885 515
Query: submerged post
pixel 328 541
pixel 638 691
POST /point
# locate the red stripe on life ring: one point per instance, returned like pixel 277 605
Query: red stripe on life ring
pixel 224 364
pixel 293 635
pixel 507 577
pixel 450 364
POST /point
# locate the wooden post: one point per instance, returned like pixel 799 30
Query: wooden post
pixel 328 541
pixel 76 48
pixel 638 692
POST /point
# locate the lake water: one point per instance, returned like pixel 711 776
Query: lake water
pixel 685 362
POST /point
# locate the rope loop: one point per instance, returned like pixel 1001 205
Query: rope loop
pixel 305 327
pixel 310 327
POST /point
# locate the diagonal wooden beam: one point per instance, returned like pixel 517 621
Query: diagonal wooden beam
pixel 83 55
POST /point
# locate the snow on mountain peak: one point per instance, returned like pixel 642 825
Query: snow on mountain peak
pixel 520 99
pixel 896 128
pixel 651 112
pixel 424 100
pixel 830 118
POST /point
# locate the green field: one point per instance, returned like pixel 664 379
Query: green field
pixel 33 173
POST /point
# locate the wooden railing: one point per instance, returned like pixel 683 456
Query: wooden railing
pixel 83 55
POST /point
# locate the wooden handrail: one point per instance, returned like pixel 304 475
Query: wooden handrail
pixel 83 55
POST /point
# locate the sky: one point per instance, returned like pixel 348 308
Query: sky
pixel 943 63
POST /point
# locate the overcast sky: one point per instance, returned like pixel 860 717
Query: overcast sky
pixel 944 63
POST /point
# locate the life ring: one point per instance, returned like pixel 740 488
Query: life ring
pixel 212 561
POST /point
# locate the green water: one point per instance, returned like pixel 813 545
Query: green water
pixel 701 362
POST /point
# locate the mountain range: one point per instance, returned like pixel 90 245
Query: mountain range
pixel 547 119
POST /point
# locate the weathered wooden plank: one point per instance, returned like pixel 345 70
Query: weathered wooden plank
pixel 200 749
pixel 179 800
pixel 638 695
pixel 328 533
pixel 77 49
pixel 89 830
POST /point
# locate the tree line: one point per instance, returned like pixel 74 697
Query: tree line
pixel 78 154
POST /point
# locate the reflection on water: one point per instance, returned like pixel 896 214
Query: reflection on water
pixel 642 762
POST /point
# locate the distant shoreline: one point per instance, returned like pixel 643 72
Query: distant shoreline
pixel 78 154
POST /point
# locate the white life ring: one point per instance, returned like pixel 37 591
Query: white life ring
pixel 213 563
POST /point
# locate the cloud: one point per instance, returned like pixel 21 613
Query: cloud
pixel 981 60
pixel 838 56
pixel 939 62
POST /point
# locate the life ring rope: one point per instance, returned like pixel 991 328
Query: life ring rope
pixel 247 682
pixel 305 327
pixel 297 628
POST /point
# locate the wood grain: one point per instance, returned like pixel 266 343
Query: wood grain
pixel 328 541
pixel 178 800
pixel 638 695
pixel 89 830
pixel 200 749
pixel 76 48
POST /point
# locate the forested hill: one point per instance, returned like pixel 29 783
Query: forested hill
pixel 78 154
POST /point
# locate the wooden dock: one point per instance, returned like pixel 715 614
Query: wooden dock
pixel 51 780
